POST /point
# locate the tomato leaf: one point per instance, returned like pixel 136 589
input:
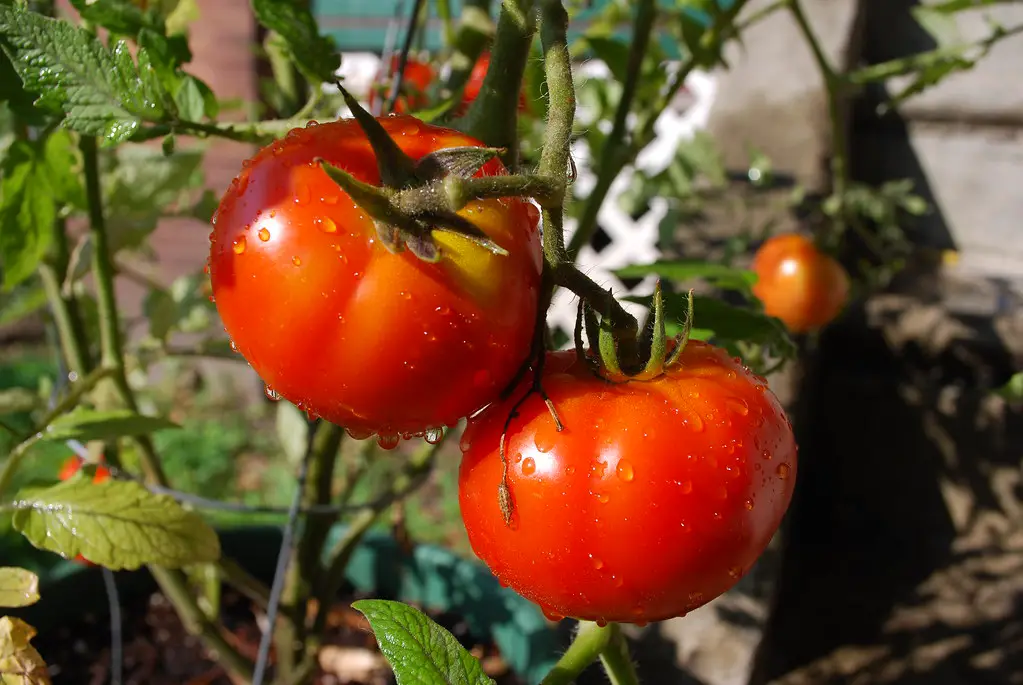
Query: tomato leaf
pixel 36 176
pixel 89 424
pixel 1012 391
pixel 123 17
pixel 315 55
pixel 718 275
pixel 99 89
pixel 117 523
pixel 20 663
pixel 18 400
pixel 419 650
pixel 18 587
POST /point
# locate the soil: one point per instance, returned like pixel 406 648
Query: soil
pixel 158 650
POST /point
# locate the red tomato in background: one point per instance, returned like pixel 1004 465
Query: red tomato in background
pixel 655 498
pixel 417 79
pixel 797 283
pixel 376 342
pixel 475 84
pixel 70 467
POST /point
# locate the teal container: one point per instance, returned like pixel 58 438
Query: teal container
pixel 431 577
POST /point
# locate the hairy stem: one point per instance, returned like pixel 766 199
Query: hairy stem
pixel 303 568
pixel 616 659
pixel 493 115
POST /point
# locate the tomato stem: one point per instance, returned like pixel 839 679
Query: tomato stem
pixel 592 642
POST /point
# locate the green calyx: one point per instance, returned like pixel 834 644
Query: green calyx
pixel 418 197
pixel 638 358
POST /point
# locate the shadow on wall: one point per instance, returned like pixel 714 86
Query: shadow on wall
pixel 904 553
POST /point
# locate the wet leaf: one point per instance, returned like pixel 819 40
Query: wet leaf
pixel 18 587
pixel 20 663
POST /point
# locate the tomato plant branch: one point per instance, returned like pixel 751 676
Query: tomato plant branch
pixel 78 390
pixel 835 92
pixel 304 565
pixel 406 46
pixel 64 306
pixel 616 659
pixel 589 642
pixel 173 583
pixel 493 115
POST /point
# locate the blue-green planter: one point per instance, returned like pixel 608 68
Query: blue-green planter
pixel 431 577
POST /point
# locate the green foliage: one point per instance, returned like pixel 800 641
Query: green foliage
pixel 88 424
pixel 117 524
pixel 315 55
pixel 18 587
pixel 37 178
pixel 418 649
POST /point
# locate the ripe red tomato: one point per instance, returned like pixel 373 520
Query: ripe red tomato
pixel 70 467
pixel 797 283
pixel 655 498
pixel 475 84
pixel 414 84
pixel 332 321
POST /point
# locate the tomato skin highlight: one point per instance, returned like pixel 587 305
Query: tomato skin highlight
pixel 797 283
pixel 332 321
pixel 655 498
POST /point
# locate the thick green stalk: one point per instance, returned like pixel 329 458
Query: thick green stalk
pixel 304 567
pixel 616 659
pixel 493 115
pixel 66 314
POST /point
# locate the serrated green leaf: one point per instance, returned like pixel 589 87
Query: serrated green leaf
pixel 419 650
pixel 20 663
pixel 315 55
pixel 18 400
pixel 18 587
pixel 122 17
pixel 36 176
pixel 682 270
pixel 99 90
pixel 89 424
pixel 117 523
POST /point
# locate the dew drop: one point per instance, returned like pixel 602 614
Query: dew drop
pixel 213 237
pixel 326 224
pixel 388 441
pixel 766 454
pixel 734 571
pixel 617 581
pixel 686 487
pixel 603 497
pixel 597 563
pixel 465 442
pixel 695 422
pixel 233 345
pixel 271 394
pixel 601 622
pixel 625 471
pixel 552 615
pixel 264 234
pixel 739 406
pixel 296 260
pixel 443 310
pixel 528 466
pixel 238 245
pixel 544 442
pixel 329 199
pixel 302 194
pixel 783 471
pixel 358 433
pixel 748 504
pixel 405 295
pixel 434 435
pixel 517 459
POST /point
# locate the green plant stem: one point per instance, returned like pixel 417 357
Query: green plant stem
pixel 78 390
pixel 304 565
pixel 616 659
pixel 475 30
pixel 590 643
pixel 66 319
pixel 444 12
pixel 174 584
pixel 644 134
pixel 243 581
pixel 493 115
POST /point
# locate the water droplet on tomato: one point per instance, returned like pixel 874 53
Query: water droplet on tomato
pixel 528 466
pixel 783 471
pixel 465 442
pixel 434 435
pixel 238 245
pixel 625 471
pixel 388 441
pixel 443 310
pixel 695 422
pixel 749 504
pixel 602 622
pixel 296 260
pixel 212 299
pixel 326 224
pixel 517 459
pixel 603 497
pixel 270 393
pixel 264 234
pixel 213 237
pixel 311 415
pixel 617 581
pixel 311 123
pixel 544 441
pixel 739 406
pixel 329 199
pixel 206 269
pixel 232 345
pixel 766 454
pixel 358 433
pixel 734 571
pixel 685 487
pixel 405 295
pixel 552 615
pixel 597 563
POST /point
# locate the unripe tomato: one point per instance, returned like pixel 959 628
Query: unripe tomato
pixel 332 321
pixel 655 498
pixel 414 84
pixel 797 283
pixel 70 467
